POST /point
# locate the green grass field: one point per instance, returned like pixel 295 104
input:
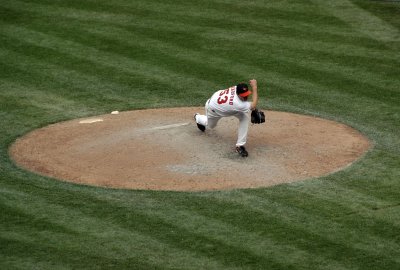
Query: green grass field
pixel 337 59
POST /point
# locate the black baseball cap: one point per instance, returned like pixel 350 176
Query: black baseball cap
pixel 242 89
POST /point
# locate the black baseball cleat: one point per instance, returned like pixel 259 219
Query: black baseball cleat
pixel 201 127
pixel 242 151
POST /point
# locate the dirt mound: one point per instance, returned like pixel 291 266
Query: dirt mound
pixel 162 149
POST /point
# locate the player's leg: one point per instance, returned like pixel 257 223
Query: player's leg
pixel 201 120
pixel 244 119
pixel 212 117
pixel 212 121
pixel 206 120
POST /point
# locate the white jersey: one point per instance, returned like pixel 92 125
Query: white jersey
pixel 227 103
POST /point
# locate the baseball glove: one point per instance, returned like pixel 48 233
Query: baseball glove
pixel 257 116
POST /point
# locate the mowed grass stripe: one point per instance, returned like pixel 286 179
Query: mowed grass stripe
pixel 322 51
pixel 35 59
pixel 120 63
pixel 61 76
pixel 302 203
pixel 255 241
pixel 155 210
pixel 361 20
pixel 91 83
pixel 170 60
pixel 328 225
pixel 315 38
pixel 220 238
pixel 270 253
pixel 332 70
pixel 319 236
pixel 105 241
pixel 256 251
pixel 324 76
pixel 168 23
pixel 205 11
pixel 178 22
pixel 348 198
pixel 344 73
pixel 30 96
pixel 318 217
pixel 168 237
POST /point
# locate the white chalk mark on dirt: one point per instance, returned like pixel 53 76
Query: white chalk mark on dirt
pixel 170 126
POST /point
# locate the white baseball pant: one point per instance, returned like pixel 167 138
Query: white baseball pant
pixel 211 119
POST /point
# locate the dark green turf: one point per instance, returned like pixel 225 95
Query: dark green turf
pixel 337 59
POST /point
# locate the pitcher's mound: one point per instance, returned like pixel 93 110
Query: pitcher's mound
pixel 162 149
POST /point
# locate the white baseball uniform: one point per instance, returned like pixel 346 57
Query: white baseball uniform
pixel 225 103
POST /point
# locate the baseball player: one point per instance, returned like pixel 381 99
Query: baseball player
pixel 230 102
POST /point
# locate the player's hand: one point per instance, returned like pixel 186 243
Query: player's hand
pixel 253 83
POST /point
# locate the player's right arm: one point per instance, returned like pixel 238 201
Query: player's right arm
pixel 253 84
